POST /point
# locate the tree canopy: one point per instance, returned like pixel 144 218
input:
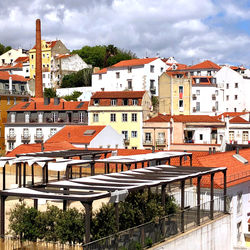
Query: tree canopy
pixel 103 56
pixel 81 78
pixel 4 49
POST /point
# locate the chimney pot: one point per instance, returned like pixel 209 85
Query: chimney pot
pixel 210 150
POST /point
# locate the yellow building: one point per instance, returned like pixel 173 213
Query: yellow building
pixel 49 49
pixel 124 111
pixel 174 95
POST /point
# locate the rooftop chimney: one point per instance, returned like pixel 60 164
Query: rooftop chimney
pixel 39 84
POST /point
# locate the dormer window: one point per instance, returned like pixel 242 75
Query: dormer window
pixel 113 102
pixel 174 67
pixel 125 102
pixel 129 84
pixel 135 102
pixel 96 102
pixel 12 118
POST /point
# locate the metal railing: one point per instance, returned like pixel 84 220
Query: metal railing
pixel 158 230
pixel 11 137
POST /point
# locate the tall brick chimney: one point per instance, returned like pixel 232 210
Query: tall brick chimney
pixel 39 79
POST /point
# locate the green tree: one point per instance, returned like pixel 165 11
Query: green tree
pixel 4 49
pixel 49 92
pixel 80 79
pixel 73 96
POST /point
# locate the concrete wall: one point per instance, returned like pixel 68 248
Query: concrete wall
pixel 215 235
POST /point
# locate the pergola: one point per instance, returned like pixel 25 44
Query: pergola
pixel 88 189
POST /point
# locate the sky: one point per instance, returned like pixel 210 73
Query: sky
pixel 190 31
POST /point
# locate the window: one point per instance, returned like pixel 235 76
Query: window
pixel 11 132
pixel 161 137
pixel 112 117
pixel 181 105
pixel 133 134
pixel 8 100
pixel 152 68
pixel 161 69
pixel 11 145
pixel 12 118
pixel 216 106
pixel 180 92
pixel 129 84
pixel 81 117
pixel 135 102
pixel 227 97
pixel 125 102
pixel 239 231
pixel 198 92
pixel 227 86
pixel 134 147
pixel 44 75
pixel 39 133
pixel 148 137
pixel 198 73
pixel 235 97
pixel 216 92
pixel 43 65
pixel 100 76
pixel 47 65
pixel 47 55
pixel 198 106
pixel 191 73
pixel 239 203
pixel 26 133
pixel 43 55
pixel 201 137
pixel 27 118
pixel 236 85
pixel 124 117
pixel 40 117
pixel 96 102
pixel 245 136
pixel 152 84
pixel 134 117
pixel 231 135
pixel 52 131
pixel 129 69
pixel 125 135
pixel 95 117
pixel 117 75
pixel 32 56
pixel 113 102
pixel 235 109
pixel 209 73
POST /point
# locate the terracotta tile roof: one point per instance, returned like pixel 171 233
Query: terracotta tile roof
pixel 75 134
pixel 204 80
pixel 101 71
pixel 37 104
pixel 60 56
pixel 133 62
pixel 22 59
pixel 205 65
pixel 238 119
pixel 50 44
pixel 4 75
pixel 232 114
pixel 33 148
pixel 237 67
pixel 118 94
pixel 185 118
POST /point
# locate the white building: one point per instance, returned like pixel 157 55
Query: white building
pixel 65 64
pixel 134 74
pixel 10 56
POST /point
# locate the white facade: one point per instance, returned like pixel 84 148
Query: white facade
pixel 136 78
pixel 10 56
pixel 29 132
pixel 235 88
pixel 86 92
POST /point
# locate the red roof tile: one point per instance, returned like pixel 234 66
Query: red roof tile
pixel 38 104
pixel 50 44
pixel 160 118
pixel 134 62
pixel 33 148
pixel 60 56
pixel 75 134
pixel 4 75
pixel 205 65
pixel 101 71
pixel 238 119
pixel 232 114
pixel 22 59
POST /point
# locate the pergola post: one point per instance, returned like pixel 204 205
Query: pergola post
pixel 122 167
pixel 136 165
pixel 225 190
pixel 163 203
pixel 80 171
pixel 212 197
pixel 182 204
pixel 117 216
pixel 116 167
pixel 16 173
pixel 191 160
pixel 24 174
pixel 92 168
pixel 71 172
pixel 32 174
pixel 65 203
pixel 181 160
pixel 2 217
pixel 105 168
pixel 43 172
pixel 46 173
pixel 169 161
pixel 36 204
pixel 142 164
pixel 108 168
pixel 20 174
pixel 3 177
pixel 198 200
pixel 58 175
pixel 88 215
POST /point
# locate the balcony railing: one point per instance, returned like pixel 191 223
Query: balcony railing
pixel 38 138
pixel 12 92
pixel 11 137
pixel 194 96
pixel 160 142
pixel 25 138
pixel 148 142
pixel 126 141
pixel 213 97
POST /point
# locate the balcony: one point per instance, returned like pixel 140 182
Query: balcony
pixel 126 141
pixel 148 143
pixel 11 137
pixel 38 138
pixel 161 142
pixel 25 138
pixel 194 96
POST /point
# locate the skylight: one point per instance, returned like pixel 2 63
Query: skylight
pixel 89 132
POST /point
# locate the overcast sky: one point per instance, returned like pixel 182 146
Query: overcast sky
pixel 188 30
